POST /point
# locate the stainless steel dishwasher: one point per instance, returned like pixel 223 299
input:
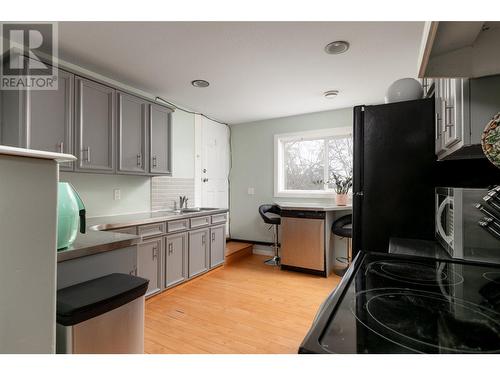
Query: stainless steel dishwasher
pixel 303 241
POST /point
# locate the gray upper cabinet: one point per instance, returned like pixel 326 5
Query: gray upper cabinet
pixel 217 245
pixel 12 118
pixel 149 264
pixel 49 117
pixel 198 251
pixel 94 126
pixel 160 139
pixel 176 259
pixel 132 113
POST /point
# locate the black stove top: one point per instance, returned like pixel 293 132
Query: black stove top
pixel 397 304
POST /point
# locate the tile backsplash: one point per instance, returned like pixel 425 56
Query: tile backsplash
pixel 166 190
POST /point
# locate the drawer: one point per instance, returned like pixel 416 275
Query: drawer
pixel 219 218
pixel 127 230
pixel 151 230
pixel 197 222
pixel 177 225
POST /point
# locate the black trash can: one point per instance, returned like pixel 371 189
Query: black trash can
pixel 104 315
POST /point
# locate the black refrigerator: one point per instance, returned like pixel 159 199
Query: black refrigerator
pixel 394 173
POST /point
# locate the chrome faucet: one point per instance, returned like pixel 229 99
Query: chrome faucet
pixel 183 202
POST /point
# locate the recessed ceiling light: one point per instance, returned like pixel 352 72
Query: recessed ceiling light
pixel 330 94
pixel 337 47
pixel 200 83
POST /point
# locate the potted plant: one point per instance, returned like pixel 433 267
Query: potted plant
pixel 342 186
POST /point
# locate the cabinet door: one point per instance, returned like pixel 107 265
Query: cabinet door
pixel 131 126
pixel 452 107
pixel 12 118
pixel 198 252
pixel 438 106
pixel 176 257
pixel 217 245
pixel 94 111
pixel 160 139
pixel 149 265
pixel 50 117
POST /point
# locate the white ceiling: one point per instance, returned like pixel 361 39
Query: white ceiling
pixel 256 70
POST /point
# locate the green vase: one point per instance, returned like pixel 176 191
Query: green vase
pixel 70 215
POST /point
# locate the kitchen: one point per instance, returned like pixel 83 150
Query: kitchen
pixel 332 213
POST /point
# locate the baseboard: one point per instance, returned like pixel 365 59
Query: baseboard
pixel 264 243
pixel 263 250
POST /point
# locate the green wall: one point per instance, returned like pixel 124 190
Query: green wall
pixel 96 191
pixel 252 147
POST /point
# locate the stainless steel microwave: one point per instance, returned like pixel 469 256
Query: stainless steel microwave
pixel 468 223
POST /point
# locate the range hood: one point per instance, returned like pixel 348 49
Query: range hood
pixel 460 49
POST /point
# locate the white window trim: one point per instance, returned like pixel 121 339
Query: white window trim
pixel 278 160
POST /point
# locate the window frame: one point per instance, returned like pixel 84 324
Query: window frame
pixel 279 175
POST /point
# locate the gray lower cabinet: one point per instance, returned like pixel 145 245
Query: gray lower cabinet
pixel 198 251
pixel 75 271
pixel 49 117
pixel 149 263
pixel 176 259
pixel 217 245
pixel 94 126
pixel 132 115
pixel 160 140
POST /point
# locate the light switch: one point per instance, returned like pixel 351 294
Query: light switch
pixel 116 194
pixel 251 191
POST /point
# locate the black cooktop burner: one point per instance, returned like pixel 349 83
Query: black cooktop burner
pixel 396 304
pixel 492 276
pixel 415 273
pixel 425 322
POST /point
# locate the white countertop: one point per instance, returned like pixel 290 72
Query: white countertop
pixel 37 154
pixel 312 206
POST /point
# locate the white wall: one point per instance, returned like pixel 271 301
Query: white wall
pixel 253 166
pixel 183 144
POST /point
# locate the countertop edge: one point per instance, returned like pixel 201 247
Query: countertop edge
pixel 115 242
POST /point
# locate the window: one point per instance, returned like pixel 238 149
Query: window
pixel 306 162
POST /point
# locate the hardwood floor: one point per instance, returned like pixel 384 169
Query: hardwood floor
pixel 244 307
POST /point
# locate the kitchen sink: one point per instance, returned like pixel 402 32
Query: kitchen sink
pixel 198 209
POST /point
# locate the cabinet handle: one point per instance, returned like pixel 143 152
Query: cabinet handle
pixel 61 147
pixel 86 151
pixel 155 252
pixel 203 239
pixel 213 236
pixel 133 272
pixel 438 126
pixel 139 160
pixel 447 122
pixel 154 162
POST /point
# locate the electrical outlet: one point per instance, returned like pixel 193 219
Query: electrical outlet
pixel 251 191
pixel 116 194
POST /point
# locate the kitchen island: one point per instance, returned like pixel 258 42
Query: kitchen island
pixel 307 243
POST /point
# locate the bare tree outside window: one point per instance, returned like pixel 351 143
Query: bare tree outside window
pixel 310 164
pixel 304 164
pixel 340 158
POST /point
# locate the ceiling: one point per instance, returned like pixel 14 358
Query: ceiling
pixel 256 70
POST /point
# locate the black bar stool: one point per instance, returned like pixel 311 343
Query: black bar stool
pixel 342 227
pixel 274 220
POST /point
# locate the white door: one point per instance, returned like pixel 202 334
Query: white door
pixel 214 164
